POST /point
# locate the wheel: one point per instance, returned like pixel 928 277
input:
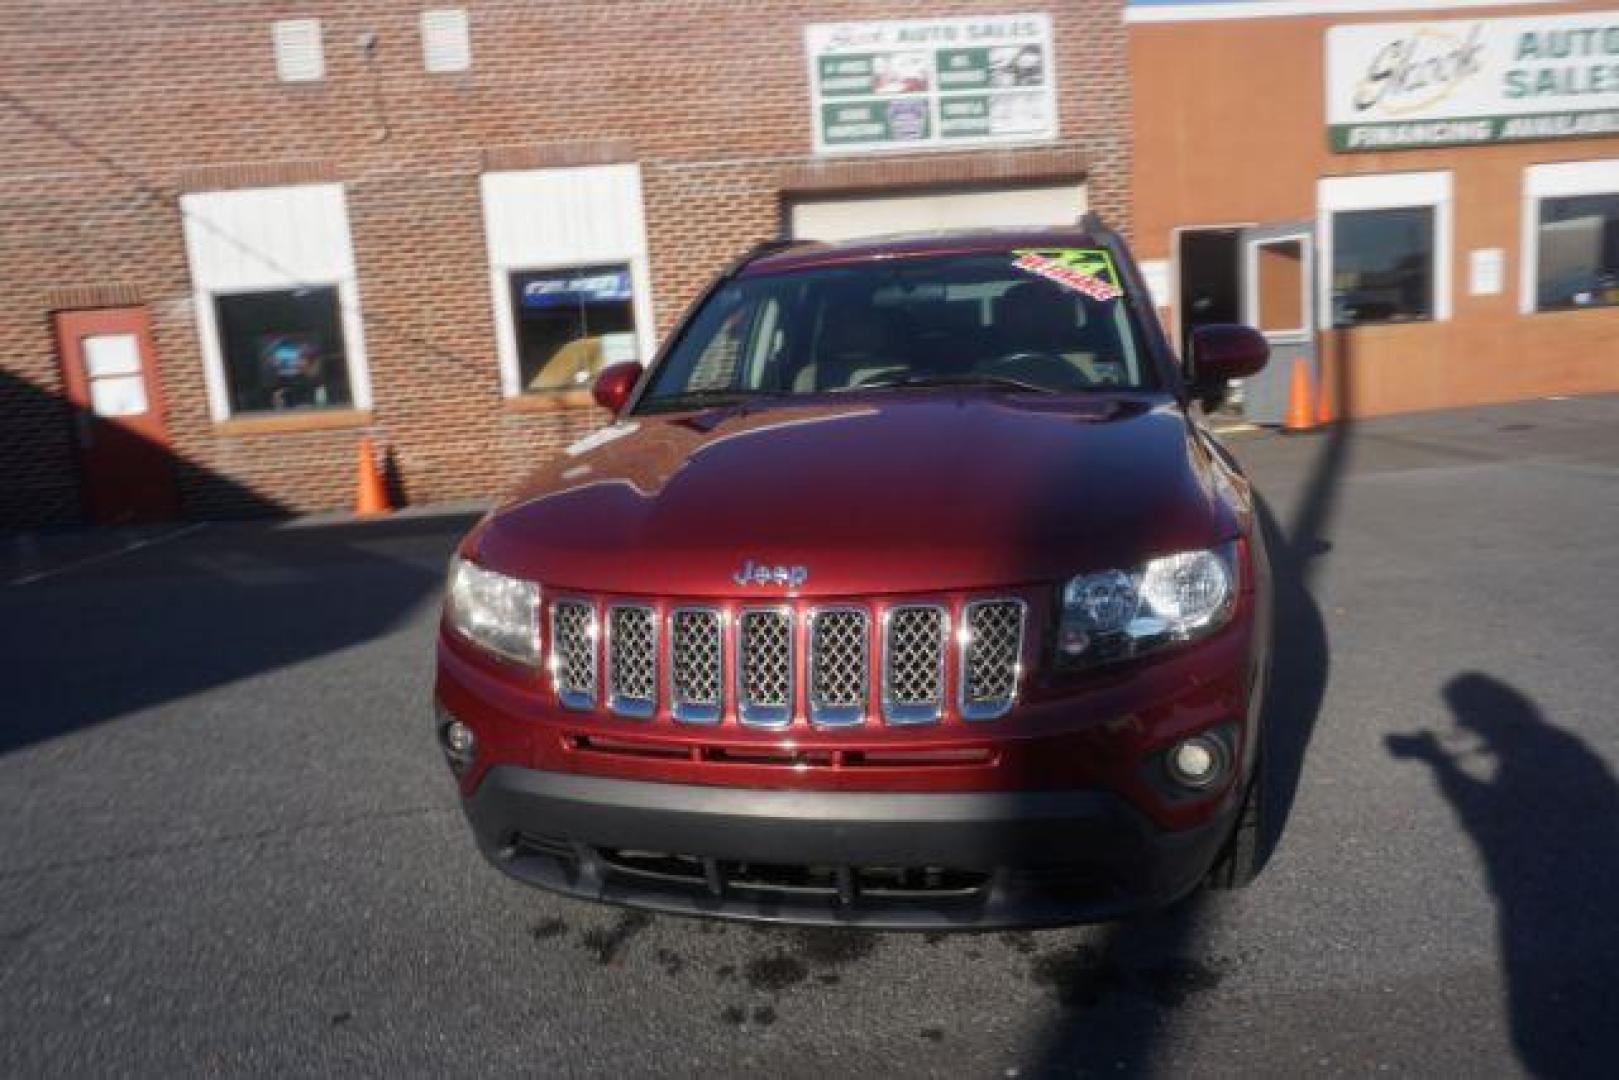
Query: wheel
pixel 1238 862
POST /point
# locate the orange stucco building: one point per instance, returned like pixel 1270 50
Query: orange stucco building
pixel 1438 181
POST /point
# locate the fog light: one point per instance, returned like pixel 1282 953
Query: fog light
pixel 460 744
pixel 1197 762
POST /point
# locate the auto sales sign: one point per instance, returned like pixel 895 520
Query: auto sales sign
pixel 1393 86
pixel 931 83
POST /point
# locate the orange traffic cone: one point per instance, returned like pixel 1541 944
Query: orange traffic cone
pixel 1300 409
pixel 370 495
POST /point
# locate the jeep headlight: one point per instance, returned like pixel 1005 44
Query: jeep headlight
pixel 1117 614
pixel 495 612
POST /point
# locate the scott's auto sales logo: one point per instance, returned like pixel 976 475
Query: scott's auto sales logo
pixel 753 573
pixel 1420 69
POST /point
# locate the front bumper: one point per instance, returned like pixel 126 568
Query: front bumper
pixel 881 860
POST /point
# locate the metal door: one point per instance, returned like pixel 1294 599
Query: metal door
pixel 1278 275
pixel 123 443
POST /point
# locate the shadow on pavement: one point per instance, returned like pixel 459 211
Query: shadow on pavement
pixel 230 603
pixel 1543 810
pixel 1301 657
pixel 1118 991
pixel 109 629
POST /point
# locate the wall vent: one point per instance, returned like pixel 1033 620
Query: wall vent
pixel 446 40
pixel 298 53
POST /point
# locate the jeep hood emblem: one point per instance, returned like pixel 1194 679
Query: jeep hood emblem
pixel 753 573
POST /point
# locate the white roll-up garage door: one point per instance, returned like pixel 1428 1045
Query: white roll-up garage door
pixel 834 219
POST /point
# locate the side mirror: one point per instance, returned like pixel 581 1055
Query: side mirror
pixel 1222 352
pixel 614 384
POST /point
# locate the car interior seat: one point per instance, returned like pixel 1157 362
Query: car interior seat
pixel 856 343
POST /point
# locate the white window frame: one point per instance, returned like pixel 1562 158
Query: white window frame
pixel 1555 181
pixel 1387 191
pixel 1250 284
pixel 207 225
pixel 630 250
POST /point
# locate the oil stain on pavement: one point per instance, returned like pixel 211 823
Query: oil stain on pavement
pixel 1080 976
pixel 796 963
pixel 773 974
pixel 607 942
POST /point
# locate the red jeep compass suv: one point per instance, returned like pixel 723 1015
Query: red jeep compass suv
pixel 904 590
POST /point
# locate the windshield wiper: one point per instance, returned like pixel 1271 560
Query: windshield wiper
pixel 702 399
pixel 1002 382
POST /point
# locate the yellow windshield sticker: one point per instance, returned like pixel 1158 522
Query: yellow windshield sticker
pixel 1089 271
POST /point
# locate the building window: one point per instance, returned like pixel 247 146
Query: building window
pixel 1571 236
pixel 283 349
pixel 568 272
pixel 571 323
pixel 1382 265
pixel 1579 252
pixel 112 363
pixel 276 299
pixel 1386 248
pixel 1279 281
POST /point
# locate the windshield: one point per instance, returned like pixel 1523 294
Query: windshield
pixel 1047 320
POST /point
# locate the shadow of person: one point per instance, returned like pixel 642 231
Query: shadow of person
pixel 1543 810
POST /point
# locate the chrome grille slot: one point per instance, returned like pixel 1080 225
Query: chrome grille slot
pixel 913 663
pixel 764 645
pixel 696 672
pixel 991 655
pixel 839 666
pixel 573 652
pixel 632 660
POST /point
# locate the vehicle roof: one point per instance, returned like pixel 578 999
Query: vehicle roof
pixel 812 253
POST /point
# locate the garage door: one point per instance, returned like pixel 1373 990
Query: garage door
pixel 996 208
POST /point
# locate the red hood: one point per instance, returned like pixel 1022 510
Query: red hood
pixel 882 493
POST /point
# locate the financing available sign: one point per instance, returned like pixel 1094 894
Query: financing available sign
pixel 1392 86
pixel 931 83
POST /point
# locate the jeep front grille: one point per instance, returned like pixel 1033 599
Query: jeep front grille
pixel 632 660
pixel 990 652
pixel 573 652
pixel 839 672
pixel 913 663
pixel 764 676
pixel 696 665
pixel 696 661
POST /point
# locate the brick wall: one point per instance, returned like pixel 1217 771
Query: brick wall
pixel 109 112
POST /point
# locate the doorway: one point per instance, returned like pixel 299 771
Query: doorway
pixel 1260 276
pixel 111 382
pixel 1209 281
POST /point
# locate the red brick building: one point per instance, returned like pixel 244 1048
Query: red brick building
pixel 236 238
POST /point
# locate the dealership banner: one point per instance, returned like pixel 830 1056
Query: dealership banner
pixel 570 290
pixel 1392 86
pixel 931 82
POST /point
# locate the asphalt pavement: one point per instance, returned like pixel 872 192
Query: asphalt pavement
pixel 229 845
